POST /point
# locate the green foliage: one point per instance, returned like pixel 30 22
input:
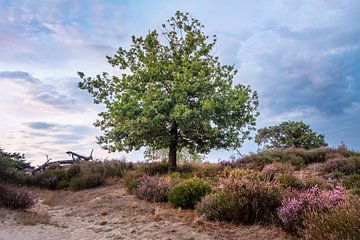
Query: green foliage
pixel 183 155
pixel 286 180
pixel 352 181
pixel 342 222
pixel 74 171
pixel 289 134
pixel 86 182
pixel 188 193
pixel 132 180
pixel 62 184
pixel 172 94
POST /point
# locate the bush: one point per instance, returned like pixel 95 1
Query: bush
pixel 340 222
pixel 86 182
pixel 152 189
pixel 114 168
pixel 286 180
pixel 188 193
pixel 271 170
pixel 16 198
pixel 73 171
pixel 352 181
pixel 132 180
pixel 293 211
pixel 62 184
pixel 155 168
pixel 249 201
pixel 340 164
pixel 217 206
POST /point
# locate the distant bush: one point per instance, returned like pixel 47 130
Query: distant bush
pixel 62 184
pixel 86 181
pixel 188 193
pixel 16 198
pixel 297 157
pixel 340 222
pixel 340 164
pixel 152 188
pixel 132 180
pixel 293 211
pixel 155 168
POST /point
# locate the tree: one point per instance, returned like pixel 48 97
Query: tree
pixel 172 93
pixel 289 134
pixel 184 155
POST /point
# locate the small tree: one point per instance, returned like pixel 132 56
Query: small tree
pixel 289 134
pixel 173 94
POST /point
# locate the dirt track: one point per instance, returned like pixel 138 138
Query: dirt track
pixel 111 213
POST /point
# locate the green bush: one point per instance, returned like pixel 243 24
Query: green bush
pixel 355 191
pixel 271 170
pixel 73 171
pixel 132 180
pixel 86 182
pixel 155 168
pixel 62 184
pixel 341 222
pixel 242 201
pixel 188 193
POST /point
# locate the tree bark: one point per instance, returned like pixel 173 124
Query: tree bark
pixel 173 147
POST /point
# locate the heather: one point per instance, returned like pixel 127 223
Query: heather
pixel 153 189
pixel 294 208
pixel 16 198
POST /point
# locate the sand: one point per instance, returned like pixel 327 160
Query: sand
pixel 111 213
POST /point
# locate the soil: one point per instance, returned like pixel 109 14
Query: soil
pixel 111 213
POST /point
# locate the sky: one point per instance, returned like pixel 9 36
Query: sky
pixel 302 57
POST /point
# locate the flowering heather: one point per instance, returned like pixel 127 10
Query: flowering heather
pixel 293 209
pixel 16 198
pixel 153 189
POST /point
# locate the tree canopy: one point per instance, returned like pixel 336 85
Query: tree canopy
pixel 289 134
pixel 172 93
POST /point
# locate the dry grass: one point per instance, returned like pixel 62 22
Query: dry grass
pixel 32 218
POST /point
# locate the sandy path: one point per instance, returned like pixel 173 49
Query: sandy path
pixel 110 213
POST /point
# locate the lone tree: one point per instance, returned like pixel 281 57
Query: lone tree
pixel 289 134
pixel 172 93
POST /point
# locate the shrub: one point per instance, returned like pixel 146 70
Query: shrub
pixel 293 211
pixel 16 198
pixel 114 168
pixel 86 181
pixel 340 164
pixel 132 180
pixel 286 180
pixel 155 168
pixel 62 184
pixel 352 181
pixel 73 171
pixel 188 193
pixel 217 206
pixel 248 174
pixel 270 170
pixel 355 191
pixel 313 181
pixel 340 222
pixel 152 189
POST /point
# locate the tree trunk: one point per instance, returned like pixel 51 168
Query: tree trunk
pixel 172 155
pixel 173 146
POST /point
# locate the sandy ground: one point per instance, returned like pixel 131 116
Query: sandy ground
pixel 111 213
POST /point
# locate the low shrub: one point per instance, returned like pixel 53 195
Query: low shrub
pixel 62 184
pixel 270 170
pixel 86 182
pixel 340 222
pixel 316 181
pixel 73 171
pixel 293 211
pixel 114 168
pixel 286 180
pixel 242 201
pixel 155 168
pixel 188 193
pixel 352 181
pixel 247 174
pixel 152 188
pixel 340 164
pixel 16 198
pixel 355 191
pixel 132 180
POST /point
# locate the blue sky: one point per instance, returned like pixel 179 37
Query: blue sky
pixel 303 58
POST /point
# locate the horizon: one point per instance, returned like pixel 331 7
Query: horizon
pixel 301 57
